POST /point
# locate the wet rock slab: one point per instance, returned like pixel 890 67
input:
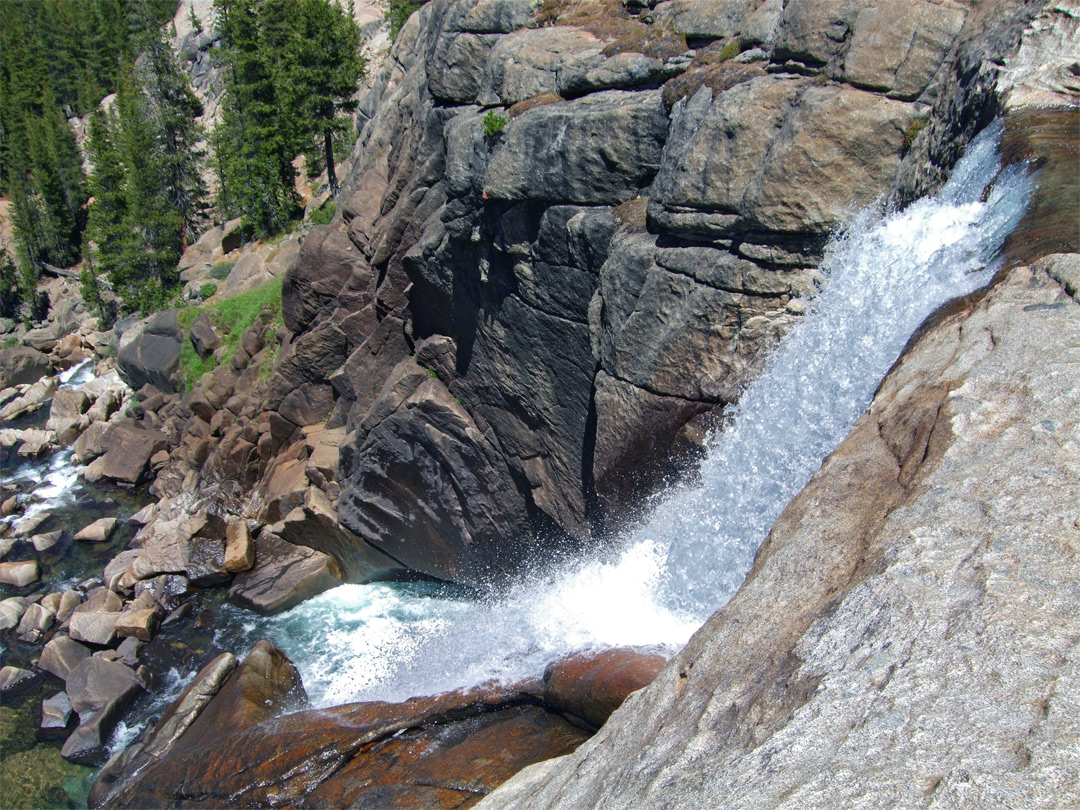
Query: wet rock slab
pixel 225 742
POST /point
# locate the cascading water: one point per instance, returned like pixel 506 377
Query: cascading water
pixel 885 275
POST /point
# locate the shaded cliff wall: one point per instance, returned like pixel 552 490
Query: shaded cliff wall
pixel 523 332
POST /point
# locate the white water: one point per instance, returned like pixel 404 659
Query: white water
pixel 885 275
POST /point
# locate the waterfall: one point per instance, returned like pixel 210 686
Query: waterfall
pixel 884 275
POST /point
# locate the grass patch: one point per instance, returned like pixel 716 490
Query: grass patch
pixel 207 290
pixel 230 318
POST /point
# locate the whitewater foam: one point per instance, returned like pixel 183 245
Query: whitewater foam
pixel 885 275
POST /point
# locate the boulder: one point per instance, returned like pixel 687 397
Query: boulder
pixel 203 337
pixel 21 365
pixel 94 626
pixel 128 453
pixel 66 412
pixel 19 574
pixel 100 691
pixel 284 576
pixel 28 525
pixel 239 548
pixel 61 655
pixel 92 443
pixel 14 679
pixel 140 623
pixel 97 532
pixel 30 400
pixel 152 354
pixel 315 525
pixel 34 623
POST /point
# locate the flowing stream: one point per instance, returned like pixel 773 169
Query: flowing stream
pixel 658 583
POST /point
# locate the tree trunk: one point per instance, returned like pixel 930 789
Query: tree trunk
pixel 330 174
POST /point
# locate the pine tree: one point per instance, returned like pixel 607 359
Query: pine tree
pixel 320 70
pixel 252 143
pixel 105 227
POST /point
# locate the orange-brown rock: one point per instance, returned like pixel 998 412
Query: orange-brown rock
pixel 592 685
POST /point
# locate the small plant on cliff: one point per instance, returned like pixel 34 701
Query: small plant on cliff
pixel 494 124
pixel 220 272
pixel 916 126
pixel 207 290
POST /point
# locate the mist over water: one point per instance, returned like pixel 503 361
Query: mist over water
pixel 657 584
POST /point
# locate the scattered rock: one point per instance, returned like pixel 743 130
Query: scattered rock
pixel 43 542
pixel 94 627
pixel 19 574
pixel 56 711
pixel 97 532
pixel 32 399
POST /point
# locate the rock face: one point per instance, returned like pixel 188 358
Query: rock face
pixel 522 332
pixel 921 580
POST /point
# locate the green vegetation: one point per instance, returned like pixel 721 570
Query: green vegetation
pixel 493 123
pixel 230 318
pixel 729 51
pixel 220 272
pixel 206 290
pixel 398 13
pixel 58 60
pixel 291 69
pixel 323 214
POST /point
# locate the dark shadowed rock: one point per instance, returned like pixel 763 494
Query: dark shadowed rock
pixel 327 260
pixel 152 355
pixel 203 337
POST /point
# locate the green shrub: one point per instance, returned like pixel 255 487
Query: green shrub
pixel 221 271
pixel 207 290
pixel 230 318
pixel 493 124
pixel 323 214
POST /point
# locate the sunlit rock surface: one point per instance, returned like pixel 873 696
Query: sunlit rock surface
pixel 908 635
